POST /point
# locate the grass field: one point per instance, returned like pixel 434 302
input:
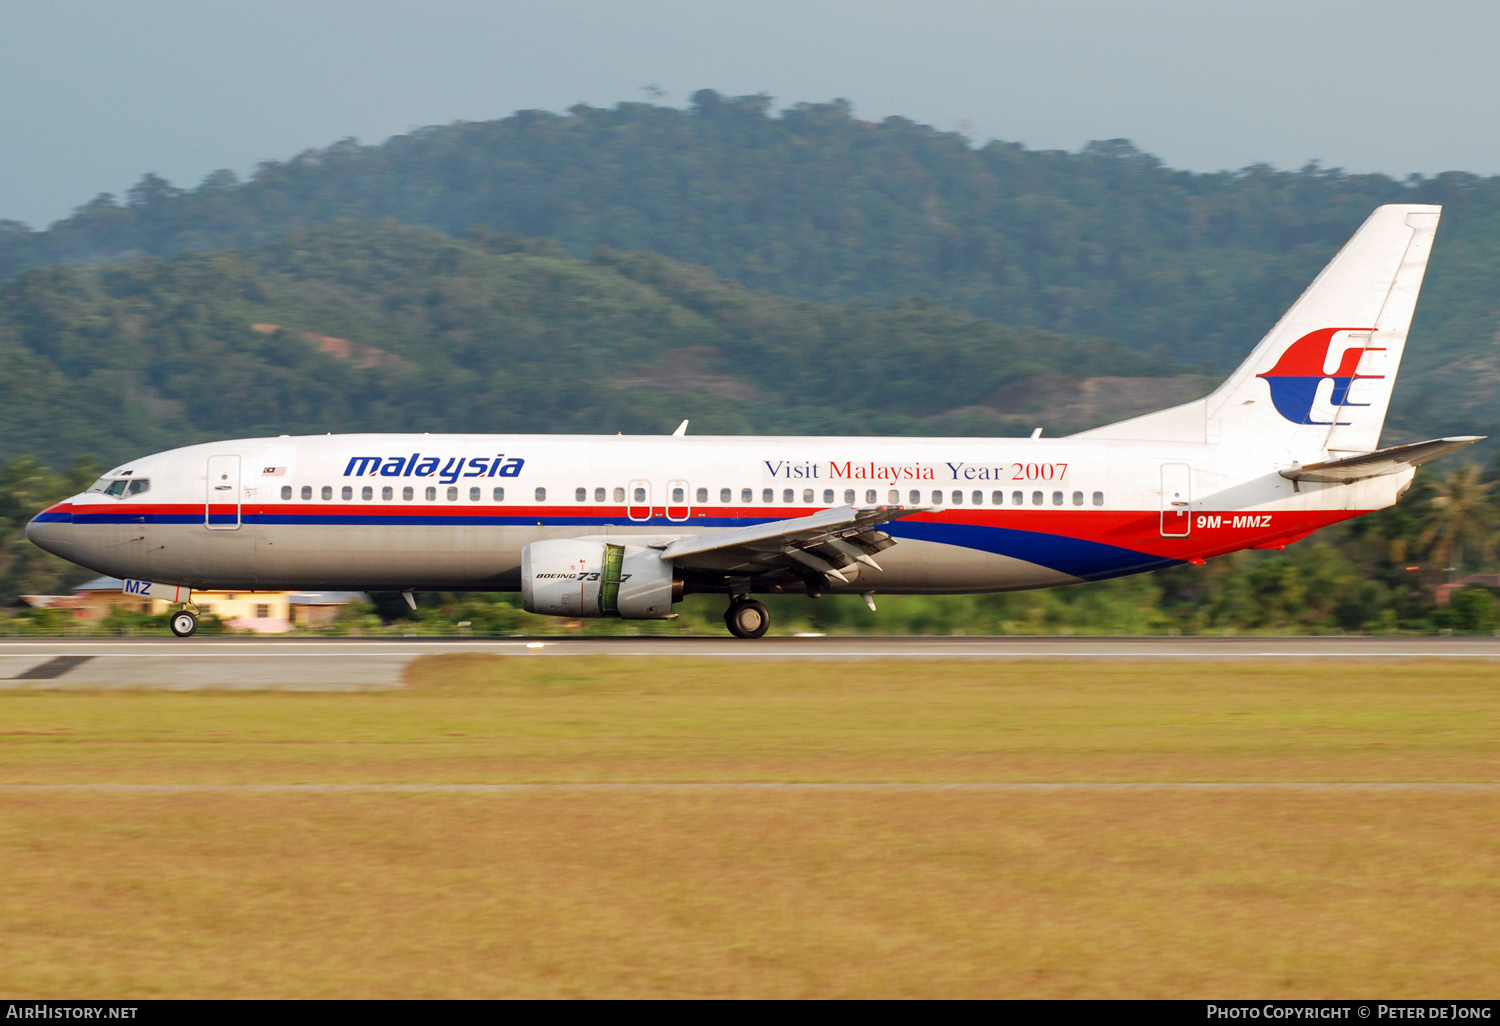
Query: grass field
pixel 762 891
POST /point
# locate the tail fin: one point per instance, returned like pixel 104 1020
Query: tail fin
pixel 1321 379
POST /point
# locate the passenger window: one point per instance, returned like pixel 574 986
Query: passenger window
pixel 327 492
pixel 1057 498
pixel 1098 498
pixel 286 491
pixel 894 497
pixel 640 495
pixel 828 496
pixel 725 495
pixel 702 495
pixel 997 498
pixel 387 493
pixel 746 495
pixel 788 495
pixel 408 493
pixel 870 497
pixel 499 494
pixel 599 495
pixel 580 494
pixel 307 491
pixel 1017 499
pixel 958 498
pixel 937 498
pixel 141 486
pixel 346 493
pixel 849 496
pixel 979 498
pixel 807 495
pixel 677 496
pixel 1036 498
pixel 916 497
pixel 767 495
pixel 1078 498
pixel 541 495
pixel 367 493
pixel 619 495
pixel 431 495
pixel 452 494
pixel 473 494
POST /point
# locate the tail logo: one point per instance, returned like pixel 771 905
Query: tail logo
pixel 1295 379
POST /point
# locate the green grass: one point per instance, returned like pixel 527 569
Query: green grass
pixel 1247 893
pixel 471 718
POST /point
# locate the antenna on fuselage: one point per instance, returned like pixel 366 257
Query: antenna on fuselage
pixel 1036 433
pixel 681 430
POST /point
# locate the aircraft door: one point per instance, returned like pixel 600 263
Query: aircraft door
pixel 679 501
pixel 639 506
pixel 1176 500
pixel 221 509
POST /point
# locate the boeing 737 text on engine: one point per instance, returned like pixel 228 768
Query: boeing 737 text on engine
pixel 625 526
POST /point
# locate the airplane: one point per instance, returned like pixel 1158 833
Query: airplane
pixel 625 526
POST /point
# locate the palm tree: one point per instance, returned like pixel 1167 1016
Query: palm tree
pixel 1460 520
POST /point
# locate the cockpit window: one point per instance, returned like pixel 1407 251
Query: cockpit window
pixel 139 486
pixel 116 488
pixel 99 485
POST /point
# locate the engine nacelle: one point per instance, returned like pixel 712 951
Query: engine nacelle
pixel 573 577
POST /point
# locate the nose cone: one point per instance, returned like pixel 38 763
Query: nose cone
pixel 52 529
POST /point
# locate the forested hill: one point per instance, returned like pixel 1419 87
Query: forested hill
pixel 396 328
pixel 814 203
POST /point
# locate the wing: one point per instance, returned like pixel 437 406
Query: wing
pixel 829 545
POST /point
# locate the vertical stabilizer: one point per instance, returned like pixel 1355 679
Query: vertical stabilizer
pixel 1321 379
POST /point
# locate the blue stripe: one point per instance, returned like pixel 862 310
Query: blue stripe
pixel 1092 561
pixel 51 517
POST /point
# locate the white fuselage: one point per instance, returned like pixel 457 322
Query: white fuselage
pixel 453 512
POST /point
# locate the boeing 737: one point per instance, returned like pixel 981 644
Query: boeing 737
pixel 625 526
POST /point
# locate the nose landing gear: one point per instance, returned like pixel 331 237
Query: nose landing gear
pixel 184 623
pixel 747 618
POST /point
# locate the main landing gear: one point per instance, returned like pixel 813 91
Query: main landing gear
pixel 747 618
pixel 184 623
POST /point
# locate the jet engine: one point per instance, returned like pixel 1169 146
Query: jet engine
pixel 574 577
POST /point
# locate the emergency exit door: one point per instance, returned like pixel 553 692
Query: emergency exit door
pixel 221 507
pixel 1176 500
pixel 639 506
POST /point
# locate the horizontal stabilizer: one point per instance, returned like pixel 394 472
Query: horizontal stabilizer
pixel 1380 462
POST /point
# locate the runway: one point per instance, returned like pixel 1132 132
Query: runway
pixel 362 664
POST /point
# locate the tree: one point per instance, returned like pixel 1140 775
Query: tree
pixel 1460 520
pixel 27 488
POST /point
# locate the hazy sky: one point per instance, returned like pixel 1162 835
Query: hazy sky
pixel 93 94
